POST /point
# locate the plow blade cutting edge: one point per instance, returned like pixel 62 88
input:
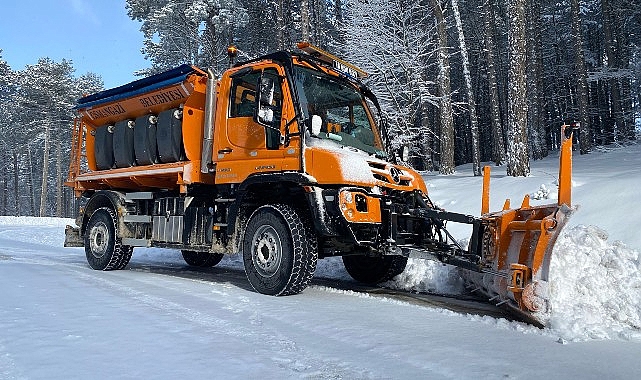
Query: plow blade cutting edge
pixel 515 246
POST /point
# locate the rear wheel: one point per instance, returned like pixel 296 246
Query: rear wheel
pixel 103 249
pixel 372 270
pixel 279 251
pixel 202 259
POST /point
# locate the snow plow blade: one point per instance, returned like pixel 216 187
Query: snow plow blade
pixel 515 246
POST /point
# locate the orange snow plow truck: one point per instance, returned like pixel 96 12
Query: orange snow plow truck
pixel 284 159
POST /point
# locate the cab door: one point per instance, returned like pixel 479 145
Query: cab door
pixel 240 147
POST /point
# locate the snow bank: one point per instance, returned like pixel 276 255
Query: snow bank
pixel 35 221
pixel 428 276
pixel 595 287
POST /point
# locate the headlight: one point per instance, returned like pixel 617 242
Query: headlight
pixel 359 207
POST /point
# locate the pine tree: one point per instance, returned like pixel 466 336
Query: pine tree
pixel 47 98
pixel 191 31
pixel 393 41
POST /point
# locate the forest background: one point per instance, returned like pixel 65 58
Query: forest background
pixel 459 81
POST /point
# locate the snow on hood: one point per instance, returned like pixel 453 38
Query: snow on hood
pixel 354 163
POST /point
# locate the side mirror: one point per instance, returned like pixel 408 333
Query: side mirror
pixel 265 115
pixel 266 90
pixel 264 111
pixel 405 153
pixel 317 123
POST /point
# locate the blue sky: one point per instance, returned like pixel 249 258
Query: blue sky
pixel 97 35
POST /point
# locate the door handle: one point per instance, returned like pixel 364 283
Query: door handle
pixel 225 151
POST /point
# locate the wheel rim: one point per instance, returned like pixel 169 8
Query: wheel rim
pixel 267 252
pixel 99 239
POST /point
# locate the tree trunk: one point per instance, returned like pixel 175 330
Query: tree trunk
pixel 280 25
pixel 288 24
pixel 613 63
pixel 540 85
pixel 474 127
pixel 518 160
pixel 445 103
pixel 585 142
pixel 428 163
pixel 16 191
pixel 59 187
pixel 629 107
pixel 304 19
pixel 537 133
pixel 5 189
pixel 30 188
pixel 45 170
pixel 556 111
pixel 498 144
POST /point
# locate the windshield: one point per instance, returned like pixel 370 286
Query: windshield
pixel 341 108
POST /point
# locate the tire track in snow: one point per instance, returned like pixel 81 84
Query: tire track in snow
pixel 282 350
pixel 8 370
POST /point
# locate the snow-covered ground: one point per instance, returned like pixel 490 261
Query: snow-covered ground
pixel 162 319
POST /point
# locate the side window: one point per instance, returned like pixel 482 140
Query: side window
pixel 243 95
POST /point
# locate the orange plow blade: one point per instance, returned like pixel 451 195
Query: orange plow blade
pixel 516 246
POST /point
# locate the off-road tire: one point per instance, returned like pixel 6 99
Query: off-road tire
pixel 372 270
pixel 280 250
pixel 103 249
pixel 202 259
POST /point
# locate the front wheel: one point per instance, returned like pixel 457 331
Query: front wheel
pixel 279 251
pixel 104 250
pixel 372 270
pixel 201 259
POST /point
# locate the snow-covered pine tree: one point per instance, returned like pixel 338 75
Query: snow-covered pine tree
pixel 187 31
pixel 7 91
pixel 393 41
pixel 47 96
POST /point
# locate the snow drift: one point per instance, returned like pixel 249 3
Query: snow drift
pixel 595 287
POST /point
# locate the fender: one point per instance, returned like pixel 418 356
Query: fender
pixel 105 198
pixel 291 179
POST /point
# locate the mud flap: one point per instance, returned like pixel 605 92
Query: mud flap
pixel 72 237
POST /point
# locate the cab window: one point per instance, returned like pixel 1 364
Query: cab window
pixel 243 95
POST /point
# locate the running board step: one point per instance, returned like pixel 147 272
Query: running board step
pixel 136 218
pixel 136 242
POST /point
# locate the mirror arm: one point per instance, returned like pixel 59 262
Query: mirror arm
pixel 288 135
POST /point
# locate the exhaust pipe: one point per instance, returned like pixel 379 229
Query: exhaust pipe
pixel 206 163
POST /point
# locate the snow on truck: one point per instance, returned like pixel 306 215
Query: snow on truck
pixel 283 159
